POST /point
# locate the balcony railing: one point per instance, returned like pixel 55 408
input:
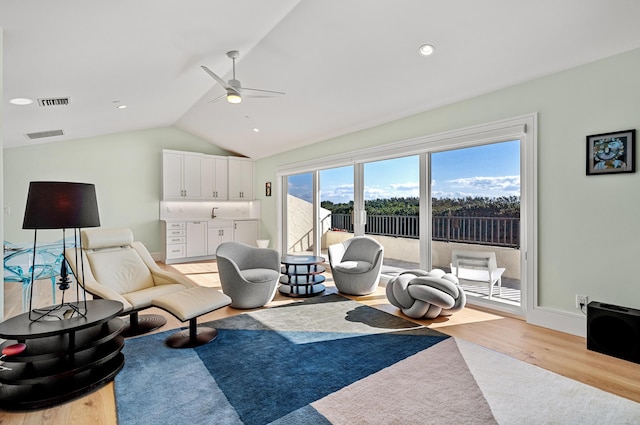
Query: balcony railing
pixel 495 231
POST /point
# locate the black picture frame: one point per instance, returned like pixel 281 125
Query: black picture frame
pixel 267 189
pixel 611 153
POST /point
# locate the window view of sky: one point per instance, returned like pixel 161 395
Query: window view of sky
pixel 488 170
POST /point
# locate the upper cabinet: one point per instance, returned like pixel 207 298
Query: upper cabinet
pixel 181 176
pixel 214 177
pixel 240 179
pixel 197 176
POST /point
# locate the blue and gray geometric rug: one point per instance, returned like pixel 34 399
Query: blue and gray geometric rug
pixel 331 360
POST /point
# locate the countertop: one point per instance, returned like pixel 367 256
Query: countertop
pixel 221 219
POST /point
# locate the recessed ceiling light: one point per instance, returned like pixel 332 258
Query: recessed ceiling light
pixel 22 101
pixel 426 49
pixel 119 105
pixel 255 129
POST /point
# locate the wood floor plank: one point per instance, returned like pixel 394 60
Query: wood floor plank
pixel 558 352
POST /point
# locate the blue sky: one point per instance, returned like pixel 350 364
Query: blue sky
pixel 489 170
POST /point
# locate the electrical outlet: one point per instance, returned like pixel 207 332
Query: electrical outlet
pixel 581 301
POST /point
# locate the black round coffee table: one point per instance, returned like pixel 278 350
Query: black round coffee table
pixel 63 359
pixel 302 275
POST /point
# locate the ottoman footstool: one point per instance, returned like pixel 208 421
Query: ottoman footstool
pixel 426 295
pixel 189 305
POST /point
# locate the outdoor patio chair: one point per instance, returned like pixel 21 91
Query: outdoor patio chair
pixel 477 267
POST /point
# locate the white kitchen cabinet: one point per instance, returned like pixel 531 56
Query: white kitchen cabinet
pixel 219 231
pixel 214 177
pixel 181 175
pixel 245 231
pixel 240 179
pixel 196 243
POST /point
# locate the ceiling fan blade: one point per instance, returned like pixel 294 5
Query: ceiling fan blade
pixel 272 92
pixel 257 95
pixel 222 96
pixel 222 82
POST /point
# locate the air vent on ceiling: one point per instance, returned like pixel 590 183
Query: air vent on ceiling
pixel 54 101
pixel 43 134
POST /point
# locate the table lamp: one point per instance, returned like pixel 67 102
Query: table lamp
pixel 60 205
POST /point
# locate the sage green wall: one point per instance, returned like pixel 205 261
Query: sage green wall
pixel 125 167
pixel 588 226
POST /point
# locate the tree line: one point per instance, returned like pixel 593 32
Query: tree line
pixel 478 206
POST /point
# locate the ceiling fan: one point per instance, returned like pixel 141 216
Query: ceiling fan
pixel 234 89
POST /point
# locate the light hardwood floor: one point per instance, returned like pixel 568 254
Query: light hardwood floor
pixel 555 351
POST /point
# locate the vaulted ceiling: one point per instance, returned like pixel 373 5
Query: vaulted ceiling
pixel 345 65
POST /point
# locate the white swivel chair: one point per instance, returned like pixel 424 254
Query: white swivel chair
pixel 248 275
pixel 477 267
pixel 356 265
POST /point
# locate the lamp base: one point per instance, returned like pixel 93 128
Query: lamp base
pixel 62 311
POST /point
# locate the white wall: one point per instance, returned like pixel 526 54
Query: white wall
pixel 589 232
pixel 125 168
pixel 1 166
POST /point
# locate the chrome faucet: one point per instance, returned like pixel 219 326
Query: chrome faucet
pixel 213 212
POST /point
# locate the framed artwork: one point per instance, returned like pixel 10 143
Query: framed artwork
pixel 610 153
pixel 267 189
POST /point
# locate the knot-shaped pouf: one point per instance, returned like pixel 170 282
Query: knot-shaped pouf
pixel 426 295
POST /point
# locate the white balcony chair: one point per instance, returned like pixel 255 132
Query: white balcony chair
pixel 474 267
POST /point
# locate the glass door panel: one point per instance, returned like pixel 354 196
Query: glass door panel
pixel 475 206
pixel 299 214
pixel 392 206
pixel 335 215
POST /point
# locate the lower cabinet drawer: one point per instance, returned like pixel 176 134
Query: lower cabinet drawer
pixel 171 233
pixel 176 239
pixel 176 251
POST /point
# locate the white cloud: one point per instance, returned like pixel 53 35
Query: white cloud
pixel 505 184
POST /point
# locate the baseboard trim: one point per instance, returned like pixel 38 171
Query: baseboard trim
pixel 571 323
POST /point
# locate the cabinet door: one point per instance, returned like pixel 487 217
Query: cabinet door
pixel 216 236
pixel 214 177
pixel 226 235
pixel 213 240
pixel 240 179
pixel 220 174
pixel 171 176
pixel 192 176
pixel 245 231
pixel 247 180
pixel 196 238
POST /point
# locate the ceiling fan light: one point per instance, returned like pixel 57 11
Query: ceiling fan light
pixel 426 49
pixel 233 97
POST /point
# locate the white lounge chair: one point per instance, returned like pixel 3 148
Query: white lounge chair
pixel 473 267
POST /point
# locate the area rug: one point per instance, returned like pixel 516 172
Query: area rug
pixel 330 360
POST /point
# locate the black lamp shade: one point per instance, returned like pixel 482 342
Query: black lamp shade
pixel 61 205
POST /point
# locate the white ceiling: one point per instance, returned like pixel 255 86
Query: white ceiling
pixel 344 64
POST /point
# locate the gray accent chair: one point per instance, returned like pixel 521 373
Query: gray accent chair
pixel 356 265
pixel 248 275
pixel 426 295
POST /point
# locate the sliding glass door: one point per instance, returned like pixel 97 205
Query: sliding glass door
pixel 392 204
pixel 335 215
pixel 475 207
pixel 299 214
pixel 472 189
